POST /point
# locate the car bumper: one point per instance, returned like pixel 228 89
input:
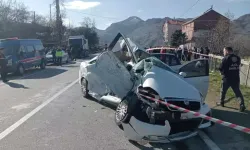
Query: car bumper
pixel 153 133
pixel 139 131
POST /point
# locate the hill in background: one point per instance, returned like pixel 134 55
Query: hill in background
pixel 149 33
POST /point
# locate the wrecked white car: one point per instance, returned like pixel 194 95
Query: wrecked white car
pixel 123 72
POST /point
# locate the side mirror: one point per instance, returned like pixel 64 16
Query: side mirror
pixel 183 74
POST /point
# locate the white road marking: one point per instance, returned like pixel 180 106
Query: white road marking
pixel 33 112
pixel 208 141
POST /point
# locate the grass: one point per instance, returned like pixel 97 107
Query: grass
pixel 214 88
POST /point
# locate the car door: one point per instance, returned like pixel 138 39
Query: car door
pixel 197 73
pixel 113 73
pixel 30 55
pixel 175 63
pixel 23 56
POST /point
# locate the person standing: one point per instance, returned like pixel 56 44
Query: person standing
pixel 59 55
pixel 54 55
pixel 195 53
pixel 74 52
pixel 179 53
pixel 201 52
pixel 3 65
pixel 69 52
pixel 189 55
pixel 207 51
pixel 230 71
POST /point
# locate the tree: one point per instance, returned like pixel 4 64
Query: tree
pixel 89 34
pixel 88 30
pixel 217 35
pixel 178 38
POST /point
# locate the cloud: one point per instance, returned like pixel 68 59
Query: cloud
pixel 80 5
pixel 139 10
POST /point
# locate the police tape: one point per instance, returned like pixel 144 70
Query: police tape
pixel 200 54
pixel 197 114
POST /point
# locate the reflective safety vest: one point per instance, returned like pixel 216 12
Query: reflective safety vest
pixel 59 53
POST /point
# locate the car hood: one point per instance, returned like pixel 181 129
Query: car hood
pixel 169 85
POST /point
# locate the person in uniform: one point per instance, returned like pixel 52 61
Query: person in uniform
pixel 230 71
pixel 59 55
pixel 54 54
pixel 3 65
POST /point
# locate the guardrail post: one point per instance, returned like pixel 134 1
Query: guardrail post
pixel 215 63
pixel 248 70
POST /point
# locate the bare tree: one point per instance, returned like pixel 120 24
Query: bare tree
pixel 88 22
pixel 217 35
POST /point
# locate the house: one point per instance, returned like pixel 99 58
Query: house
pixel 199 28
pixel 169 28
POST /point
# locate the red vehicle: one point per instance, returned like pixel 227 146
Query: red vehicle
pixel 161 50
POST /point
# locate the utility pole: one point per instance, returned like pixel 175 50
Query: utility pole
pixel 58 24
pixel 34 19
pixel 50 17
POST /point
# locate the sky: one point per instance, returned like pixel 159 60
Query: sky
pixel 106 12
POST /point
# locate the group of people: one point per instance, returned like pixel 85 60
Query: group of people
pixel 186 55
pixel 57 53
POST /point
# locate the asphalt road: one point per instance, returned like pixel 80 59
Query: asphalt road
pixel 45 110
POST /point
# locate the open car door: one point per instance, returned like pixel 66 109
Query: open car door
pixel 112 71
pixel 196 73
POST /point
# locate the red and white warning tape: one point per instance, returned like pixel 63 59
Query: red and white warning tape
pixel 224 123
pixel 200 54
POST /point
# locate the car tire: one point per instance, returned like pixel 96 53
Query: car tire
pixel 43 65
pixel 125 109
pixel 20 70
pixel 84 88
pixel 121 113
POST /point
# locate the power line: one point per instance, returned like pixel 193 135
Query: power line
pixel 190 8
pixel 95 15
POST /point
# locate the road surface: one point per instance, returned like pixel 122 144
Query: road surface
pixel 45 110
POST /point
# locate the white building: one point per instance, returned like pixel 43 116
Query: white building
pixel 169 28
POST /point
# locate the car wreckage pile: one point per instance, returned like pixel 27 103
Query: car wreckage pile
pixel 125 72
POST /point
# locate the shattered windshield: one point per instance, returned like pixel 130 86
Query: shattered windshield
pixel 147 63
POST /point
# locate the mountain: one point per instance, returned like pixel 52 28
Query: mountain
pixel 146 33
pixel 242 24
pixel 149 33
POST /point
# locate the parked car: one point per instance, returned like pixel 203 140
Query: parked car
pixel 23 54
pixel 170 59
pixel 65 58
pixel 121 83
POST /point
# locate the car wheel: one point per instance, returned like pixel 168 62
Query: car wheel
pixel 121 113
pixel 84 88
pixel 43 65
pixel 125 109
pixel 20 70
